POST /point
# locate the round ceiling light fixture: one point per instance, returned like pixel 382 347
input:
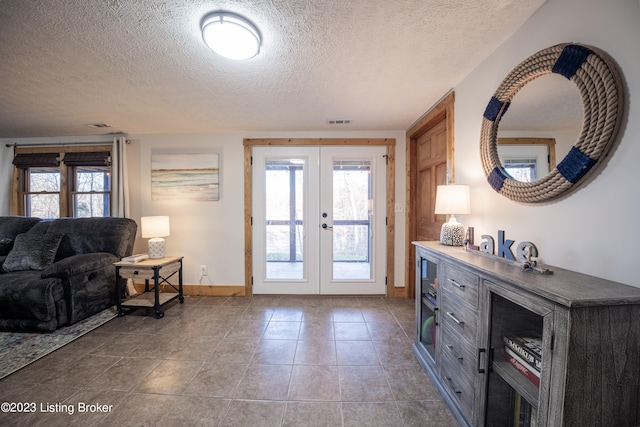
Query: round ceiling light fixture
pixel 231 35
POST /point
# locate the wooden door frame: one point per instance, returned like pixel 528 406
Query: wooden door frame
pixel 442 110
pixel 249 143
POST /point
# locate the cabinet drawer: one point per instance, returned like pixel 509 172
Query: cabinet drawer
pixel 461 283
pixel 460 318
pixel 462 356
pixel 458 386
pixel 131 272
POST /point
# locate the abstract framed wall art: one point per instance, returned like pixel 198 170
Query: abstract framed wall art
pixel 181 176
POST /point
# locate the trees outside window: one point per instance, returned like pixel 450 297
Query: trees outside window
pixel 54 182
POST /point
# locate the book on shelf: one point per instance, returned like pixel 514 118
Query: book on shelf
pixel 132 259
pixel 528 348
pixel 431 298
pixel 521 366
pixel 524 413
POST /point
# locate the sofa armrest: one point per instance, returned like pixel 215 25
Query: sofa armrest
pixel 79 264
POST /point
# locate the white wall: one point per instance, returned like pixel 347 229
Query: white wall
pixel 594 229
pixel 212 233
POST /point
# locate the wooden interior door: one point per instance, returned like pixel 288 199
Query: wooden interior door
pixel 431 172
pixel 429 164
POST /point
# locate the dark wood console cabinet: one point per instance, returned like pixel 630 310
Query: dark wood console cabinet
pixel 476 317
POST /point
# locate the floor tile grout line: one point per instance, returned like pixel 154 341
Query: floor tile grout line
pixel 219 339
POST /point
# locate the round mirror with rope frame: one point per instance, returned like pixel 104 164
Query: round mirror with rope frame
pixel 599 84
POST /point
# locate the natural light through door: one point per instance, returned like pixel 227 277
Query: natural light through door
pixel 319 220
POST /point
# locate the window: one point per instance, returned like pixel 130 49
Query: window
pixel 523 170
pixel 91 191
pixel 42 195
pixel 63 182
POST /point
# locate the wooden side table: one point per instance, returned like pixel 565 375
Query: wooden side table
pixel 160 271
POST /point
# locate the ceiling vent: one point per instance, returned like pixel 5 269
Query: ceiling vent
pixel 98 125
pixel 338 121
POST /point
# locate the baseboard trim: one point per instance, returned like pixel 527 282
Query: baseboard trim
pixel 232 291
pixel 201 290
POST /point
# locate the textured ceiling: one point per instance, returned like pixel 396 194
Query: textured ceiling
pixel 142 67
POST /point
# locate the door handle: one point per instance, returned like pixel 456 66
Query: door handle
pixel 481 352
pixel 454 283
pixel 326 227
pixel 454 318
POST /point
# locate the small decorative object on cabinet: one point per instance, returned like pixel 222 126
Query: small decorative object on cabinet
pixel 507 347
pixel 452 200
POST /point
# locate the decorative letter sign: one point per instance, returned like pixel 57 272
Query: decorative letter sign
pixel 504 247
pixel 486 246
pixel 526 251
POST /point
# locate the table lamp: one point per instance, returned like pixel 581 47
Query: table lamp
pixel 452 200
pixel 155 228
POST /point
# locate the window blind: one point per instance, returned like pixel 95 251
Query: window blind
pixel 30 160
pixel 87 158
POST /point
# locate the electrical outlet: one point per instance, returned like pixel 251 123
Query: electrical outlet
pixel 203 270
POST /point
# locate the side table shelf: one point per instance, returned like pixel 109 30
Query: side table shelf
pixel 157 270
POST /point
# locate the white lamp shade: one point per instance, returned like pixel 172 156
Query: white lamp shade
pixel 452 199
pixel 231 35
pixel 155 226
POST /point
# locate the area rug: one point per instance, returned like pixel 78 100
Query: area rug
pixel 18 349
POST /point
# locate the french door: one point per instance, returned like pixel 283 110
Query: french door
pixel 319 220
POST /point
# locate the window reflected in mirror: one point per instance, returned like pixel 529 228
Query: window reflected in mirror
pixel 527 159
pixel 545 111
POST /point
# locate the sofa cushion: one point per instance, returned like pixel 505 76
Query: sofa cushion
pixel 10 227
pixel 88 235
pixel 32 252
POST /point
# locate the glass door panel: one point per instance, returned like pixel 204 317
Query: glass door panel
pixel 428 282
pixel 514 378
pixel 351 220
pixel 285 220
pixel 284 181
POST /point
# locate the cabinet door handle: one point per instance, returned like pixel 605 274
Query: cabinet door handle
pixel 481 351
pixel 454 283
pixel 450 347
pixel 455 319
pixel 435 316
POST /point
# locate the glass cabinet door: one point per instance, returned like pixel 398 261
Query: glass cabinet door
pixel 427 294
pixel 515 355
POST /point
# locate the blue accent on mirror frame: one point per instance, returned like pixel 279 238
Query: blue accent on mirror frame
pixel 496 179
pixel 575 165
pixel 494 107
pixel 570 60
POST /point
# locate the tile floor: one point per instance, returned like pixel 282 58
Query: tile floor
pixel 265 361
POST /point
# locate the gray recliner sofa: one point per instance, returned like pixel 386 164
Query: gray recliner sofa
pixel 58 272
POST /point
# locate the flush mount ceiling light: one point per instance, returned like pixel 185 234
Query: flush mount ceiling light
pixel 231 35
